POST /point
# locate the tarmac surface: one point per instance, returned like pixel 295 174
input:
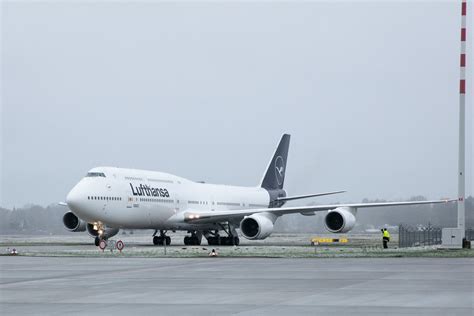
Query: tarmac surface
pixel 244 286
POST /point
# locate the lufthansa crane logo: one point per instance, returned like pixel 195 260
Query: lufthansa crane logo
pixel 279 170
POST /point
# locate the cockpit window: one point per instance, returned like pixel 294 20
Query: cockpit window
pixel 95 174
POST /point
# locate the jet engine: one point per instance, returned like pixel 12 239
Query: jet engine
pixel 256 226
pixel 105 233
pixel 73 223
pixel 340 220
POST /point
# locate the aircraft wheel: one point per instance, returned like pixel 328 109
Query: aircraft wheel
pixel 156 240
pixel 186 240
pixel 211 241
pixel 236 241
pixel 97 241
pixel 168 240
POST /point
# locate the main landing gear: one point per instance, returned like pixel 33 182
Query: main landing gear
pixel 219 240
pixel 97 241
pixel 214 239
pixel 194 239
pixel 162 239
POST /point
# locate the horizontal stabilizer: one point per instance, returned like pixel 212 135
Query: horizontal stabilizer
pixel 297 197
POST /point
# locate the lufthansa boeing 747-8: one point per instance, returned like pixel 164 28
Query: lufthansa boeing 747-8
pixel 108 199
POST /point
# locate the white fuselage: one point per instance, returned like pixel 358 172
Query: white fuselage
pixel 128 198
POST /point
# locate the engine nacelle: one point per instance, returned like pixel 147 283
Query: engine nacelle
pixel 256 226
pixel 340 220
pixel 73 223
pixel 105 234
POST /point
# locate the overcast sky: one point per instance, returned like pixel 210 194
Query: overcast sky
pixel 368 91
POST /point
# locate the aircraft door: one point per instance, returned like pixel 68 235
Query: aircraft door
pixel 108 189
pixel 129 201
pixel 181 204
pixel 212 203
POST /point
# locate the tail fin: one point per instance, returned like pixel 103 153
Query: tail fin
pixel 275 175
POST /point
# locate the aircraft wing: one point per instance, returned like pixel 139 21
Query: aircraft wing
pixel 297 197
pixel 233 215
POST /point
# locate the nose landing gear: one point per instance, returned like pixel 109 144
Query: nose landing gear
pixel 98 230
pixel 162 239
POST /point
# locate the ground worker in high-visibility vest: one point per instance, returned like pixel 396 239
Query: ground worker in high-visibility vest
pixel 385 237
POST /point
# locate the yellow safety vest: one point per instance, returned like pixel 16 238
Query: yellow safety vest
pixel 386 234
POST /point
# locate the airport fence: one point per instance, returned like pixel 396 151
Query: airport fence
pixel 409 236
pixel 470 234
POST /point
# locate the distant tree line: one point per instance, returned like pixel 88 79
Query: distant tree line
pixel 35 219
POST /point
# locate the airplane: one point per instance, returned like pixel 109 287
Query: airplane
pixel 108 199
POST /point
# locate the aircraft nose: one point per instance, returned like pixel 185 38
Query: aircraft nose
pixel 77 201
pixel 73 199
